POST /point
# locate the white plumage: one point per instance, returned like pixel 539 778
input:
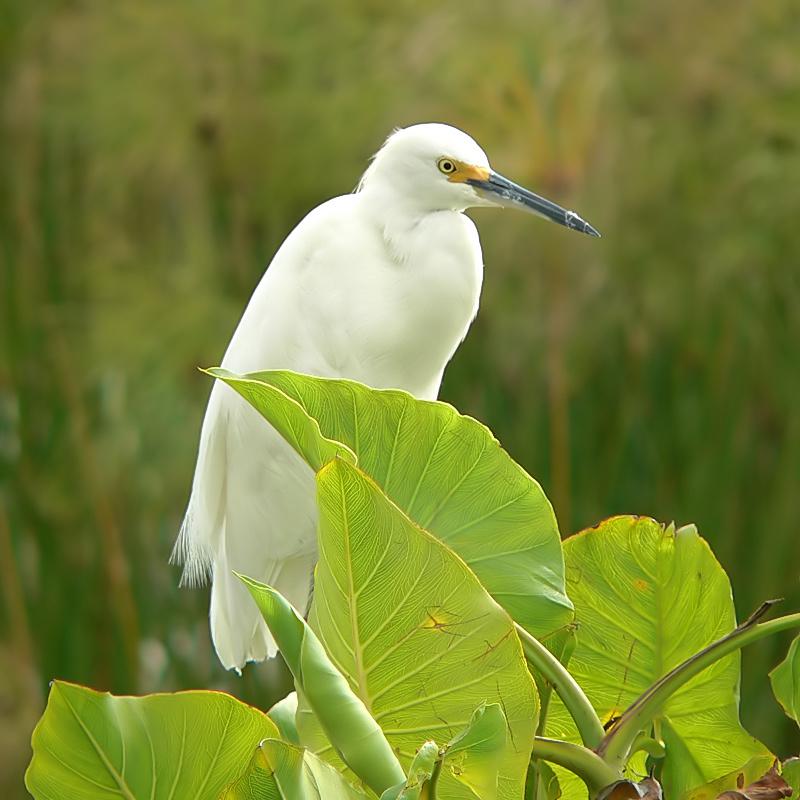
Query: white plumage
pixel 378 286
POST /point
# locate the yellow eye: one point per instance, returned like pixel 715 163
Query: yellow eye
pixel 446 166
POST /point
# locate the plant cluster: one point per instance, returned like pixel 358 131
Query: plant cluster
pixel 455 649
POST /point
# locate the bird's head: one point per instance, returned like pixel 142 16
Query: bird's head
pixel 434 167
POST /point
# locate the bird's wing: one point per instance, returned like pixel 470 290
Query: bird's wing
pixel 268 532
pixel 268 336
pixel 252 506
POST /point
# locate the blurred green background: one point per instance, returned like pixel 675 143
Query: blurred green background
pixel 154 155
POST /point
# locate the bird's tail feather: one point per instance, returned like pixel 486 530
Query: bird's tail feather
pixel 238 630
pixel 202 524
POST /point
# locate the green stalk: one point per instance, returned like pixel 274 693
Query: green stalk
pixel 430 790
pixel 351 729
pixel 588 723
pixel 649 745
pixel 585 763
pixel 616 745
pixel 544 707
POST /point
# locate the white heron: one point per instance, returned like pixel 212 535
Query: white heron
pixel 379 286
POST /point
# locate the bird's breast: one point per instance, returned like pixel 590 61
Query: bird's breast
pixel 346 296
pixel 411 305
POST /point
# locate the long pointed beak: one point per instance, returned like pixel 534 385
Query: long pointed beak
pixel 504 192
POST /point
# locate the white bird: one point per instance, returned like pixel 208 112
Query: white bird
pixel 379 286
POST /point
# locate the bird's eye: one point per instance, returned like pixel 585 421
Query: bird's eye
pixel 446 166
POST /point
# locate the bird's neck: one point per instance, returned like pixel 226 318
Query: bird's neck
pixel 397 218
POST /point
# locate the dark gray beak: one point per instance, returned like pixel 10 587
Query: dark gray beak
pixel 504 192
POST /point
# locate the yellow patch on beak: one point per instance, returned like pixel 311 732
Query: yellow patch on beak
pixel 465 172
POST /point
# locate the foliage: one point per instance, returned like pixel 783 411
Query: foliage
pixel 188 744
pixel 342 714
pixel 445 471
pixel 790 769
pixel 470 757
pixel 405 647
pixel 281 771
pixel 283 715
pixel 154 155
pixel 670 599
pixel 425 643
pixel 785 680
pixel 404 618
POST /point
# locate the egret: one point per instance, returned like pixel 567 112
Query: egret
pixel 378 286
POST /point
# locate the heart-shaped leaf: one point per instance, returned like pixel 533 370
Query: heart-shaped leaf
pixel 445 471
pixel 91 745
pixel 647 598
pixel 412 628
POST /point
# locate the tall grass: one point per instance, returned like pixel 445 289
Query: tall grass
pixel 153 156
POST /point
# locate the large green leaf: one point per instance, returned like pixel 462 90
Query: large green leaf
pixel 445 471
pixel 93 745
pixel 281 771
pixel 290 418
pixel 785 679
pixel 647 598
pixel 414 631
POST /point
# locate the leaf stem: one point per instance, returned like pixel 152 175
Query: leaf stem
pixel 653 747
pixel 616 745
pixel 431 789
pixel 588 723
pixel 585 763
